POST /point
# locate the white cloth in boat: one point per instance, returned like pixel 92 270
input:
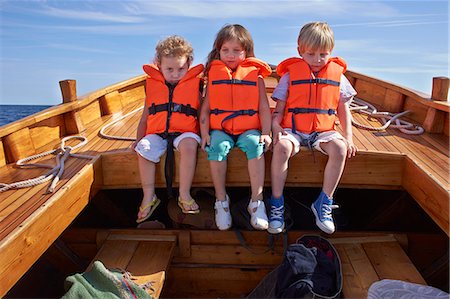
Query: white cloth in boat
pixel 281 92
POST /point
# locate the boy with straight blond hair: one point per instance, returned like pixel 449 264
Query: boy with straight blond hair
pixel 312 91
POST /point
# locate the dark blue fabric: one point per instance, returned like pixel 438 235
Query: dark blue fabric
pixel 309 268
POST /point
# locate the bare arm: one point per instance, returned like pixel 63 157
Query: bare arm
pixel 264 115
pixel 345 118
pixel 277 117
pixel 204 121
pixel 142 126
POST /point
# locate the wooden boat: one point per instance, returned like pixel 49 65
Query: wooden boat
pixel 397 186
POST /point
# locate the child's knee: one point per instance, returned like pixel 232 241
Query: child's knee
pixel 338 149
pixel 188 146
pixel 283 148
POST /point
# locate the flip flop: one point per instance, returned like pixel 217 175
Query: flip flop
pixel 189 203
pixel 152 205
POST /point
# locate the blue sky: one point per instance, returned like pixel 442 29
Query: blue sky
pixel 99 43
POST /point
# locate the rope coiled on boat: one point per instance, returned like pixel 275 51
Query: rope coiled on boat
pixel 387 118
pixel 62 153
pixel 104 135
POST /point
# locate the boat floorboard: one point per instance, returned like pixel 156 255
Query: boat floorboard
pixel 394 153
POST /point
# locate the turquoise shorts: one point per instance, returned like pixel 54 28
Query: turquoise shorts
pixel 222 143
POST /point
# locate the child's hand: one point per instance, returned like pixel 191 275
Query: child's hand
pixel 351 149
pixel 277 131
pixel 206 140
pixel 267 140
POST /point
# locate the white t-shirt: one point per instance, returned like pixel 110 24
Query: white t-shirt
pixel 281 92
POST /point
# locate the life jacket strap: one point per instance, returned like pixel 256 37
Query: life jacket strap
pixel 312 110
pixel 234 81
pixel 174 107
pixel 169 163
pixel 234 113
pixel 316 81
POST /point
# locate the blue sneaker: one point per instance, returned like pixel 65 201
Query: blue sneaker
pixel 276 215
pixel 322 209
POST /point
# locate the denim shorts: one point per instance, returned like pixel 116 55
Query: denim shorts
pixel 222 143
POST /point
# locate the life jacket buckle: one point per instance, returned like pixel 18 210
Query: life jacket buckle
pixel 176 108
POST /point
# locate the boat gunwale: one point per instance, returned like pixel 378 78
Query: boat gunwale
pixel 60 109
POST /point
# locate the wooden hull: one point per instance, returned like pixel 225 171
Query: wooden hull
pixel 31 220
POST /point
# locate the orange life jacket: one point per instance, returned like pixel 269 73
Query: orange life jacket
pixel 313 99
pixel 234 95
pixel 172 110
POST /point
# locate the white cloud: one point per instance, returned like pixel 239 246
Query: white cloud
pixel 89 15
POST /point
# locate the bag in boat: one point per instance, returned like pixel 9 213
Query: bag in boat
pixel 310 268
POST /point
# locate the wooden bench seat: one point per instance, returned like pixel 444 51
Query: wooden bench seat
pixel 145 256
pixel 366 260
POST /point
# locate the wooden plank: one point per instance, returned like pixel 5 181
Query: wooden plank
pixel 429 194
pixel 2 154
pixel 358 273
pixel 211 282
pixel 133 93
pixel 48 131
pixel 111 103
pixel 90 112
pixel 418 110
pixel 116 254
pixel 30 240
pixel 391 262
pixel 370 92
pixel 18 145
pixel 434 121
pixel 229 254
pixel 367 168
pixel 145 256
pixel 393 101
pixel 150 262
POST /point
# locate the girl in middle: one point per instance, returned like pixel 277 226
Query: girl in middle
pixel 236 112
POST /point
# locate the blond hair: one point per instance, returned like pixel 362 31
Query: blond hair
pixel 174 46
pixel 315 36
pixel 231 32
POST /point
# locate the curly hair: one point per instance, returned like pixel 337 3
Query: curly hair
pixel 174 46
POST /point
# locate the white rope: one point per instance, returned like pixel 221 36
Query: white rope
pixel 388 119
pixel 103 129
pixel 56 171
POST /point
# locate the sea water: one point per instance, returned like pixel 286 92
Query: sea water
pixel 10 113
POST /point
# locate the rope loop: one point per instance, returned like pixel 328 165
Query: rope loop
pixel 107 136
pixel 62 154
pixel 388 119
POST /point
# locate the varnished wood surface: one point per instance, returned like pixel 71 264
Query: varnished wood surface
pixel 146 257
pixel 388 159
pixel 211 264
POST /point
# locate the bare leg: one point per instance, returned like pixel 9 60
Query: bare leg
pixel 147 173
pixel 218 174
pixel 256 168
pixel 337 153
pixel 188 160
pixel 279 166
